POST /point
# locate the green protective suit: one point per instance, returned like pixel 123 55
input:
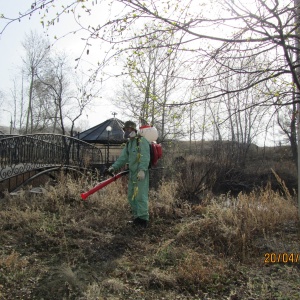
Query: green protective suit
pixel 137 155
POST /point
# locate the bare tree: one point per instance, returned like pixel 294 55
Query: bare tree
pixel 263 26
pixel 211 40
pixel 64 95
pixel 36 52
pixel 153 71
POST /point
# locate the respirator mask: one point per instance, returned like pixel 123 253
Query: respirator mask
pixel 129 134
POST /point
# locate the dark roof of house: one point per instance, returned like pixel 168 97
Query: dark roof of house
pixel 99 134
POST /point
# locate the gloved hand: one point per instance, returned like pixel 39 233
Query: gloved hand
pixel 141 175
pixel 110 171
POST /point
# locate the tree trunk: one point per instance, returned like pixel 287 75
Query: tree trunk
pixel 29 109
pixel 297 5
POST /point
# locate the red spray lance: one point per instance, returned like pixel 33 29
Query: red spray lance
pixel 103 184
pixel 106 182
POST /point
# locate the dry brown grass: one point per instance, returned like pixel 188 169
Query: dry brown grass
pixel 55 245
pixel 230 225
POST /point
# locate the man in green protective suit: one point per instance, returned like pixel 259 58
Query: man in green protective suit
pixel 137 154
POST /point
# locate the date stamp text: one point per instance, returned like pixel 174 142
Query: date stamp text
pixel 272 257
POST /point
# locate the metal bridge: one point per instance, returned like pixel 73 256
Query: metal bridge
pixel 27 157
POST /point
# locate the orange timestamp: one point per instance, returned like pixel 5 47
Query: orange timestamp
pixel 272 257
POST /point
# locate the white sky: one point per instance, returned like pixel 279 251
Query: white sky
pixel 11 52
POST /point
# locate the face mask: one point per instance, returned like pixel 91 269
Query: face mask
pixel 129 134
pixel 132 134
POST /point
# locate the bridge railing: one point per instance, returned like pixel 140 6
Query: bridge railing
pixel 19 154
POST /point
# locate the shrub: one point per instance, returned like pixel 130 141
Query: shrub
pixel 230 228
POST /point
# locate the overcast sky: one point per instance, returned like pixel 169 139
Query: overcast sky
pixel 11 53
